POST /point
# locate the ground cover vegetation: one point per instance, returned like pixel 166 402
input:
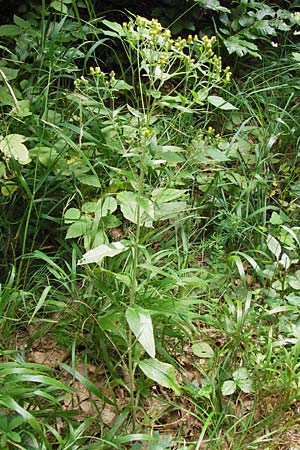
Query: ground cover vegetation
pixel 149 273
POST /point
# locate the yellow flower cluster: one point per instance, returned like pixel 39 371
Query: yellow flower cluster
pixel 160 49
pixel 227 73
pixel 81 82
pixel 95 70
pixel 208 43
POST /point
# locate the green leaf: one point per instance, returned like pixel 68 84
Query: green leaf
pixel 46 155
pixel 59 6
pixel 241 47
pixel 96 255
pixel 121 85
pixel 296 56
pixel 161 373
pixel 12 146
pixel 14 436
pixel 90 180
pixel 115 26
pixel 105 206
pixel 164 211
pixel 228 387
pixel 240 374
pixel 72 215
pixel 293 299
pixel 78 228
pixel 24 109
pixel 246 386
pixel 220 103
pixel 5 97
pixel 162 195
pixel 10 30
pixel 140 323
pixel 264 28
pixel 111 221
pixel 25 24
pixel 11 74
pixel 203 350
pixel 131 203
pixel 213 5
pixel 274 246
pixel 276 219
pixel 294 283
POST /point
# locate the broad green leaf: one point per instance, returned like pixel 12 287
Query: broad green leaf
pixel 264 28
pixel 241 47
pixel 78 228
pixel 12 146
pixel 14 436
pixel 294 283
pixel 115 26
pixel 170 158
pixel 274 246
pixel 240 374
pixel 90 180
pixel 296 56
pixel 121 85
pixel 200 95
pixel 220 103
pixel 161 373
pixel 46 155
pixel 25 24
pixel 10 74
pixel 211 154
pixel 276 219
pixel 245 385
pixel 125 279
pixel 140 323
pixel 164 211
pixel 203 350
pixel 228 388
pixel 131 203
pixel 213 5
pixel 94 237
pixel 96 255
pixel 5 97
pixel 10 30
pixel 105 205
pixel 111 221
pixel 8 189
pixel 89 207
pixel 293 299
pixel 23 109
pixel 162 195
pixel 59 6
pixel 72 215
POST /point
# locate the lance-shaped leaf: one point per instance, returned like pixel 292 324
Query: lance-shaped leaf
pixel 96 255
pixel 140 323
pixel 274 246
pixel 220 103
pixel 161 373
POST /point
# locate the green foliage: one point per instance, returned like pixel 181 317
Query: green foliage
pixel 149 226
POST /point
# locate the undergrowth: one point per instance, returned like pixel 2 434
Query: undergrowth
pixel 149 233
